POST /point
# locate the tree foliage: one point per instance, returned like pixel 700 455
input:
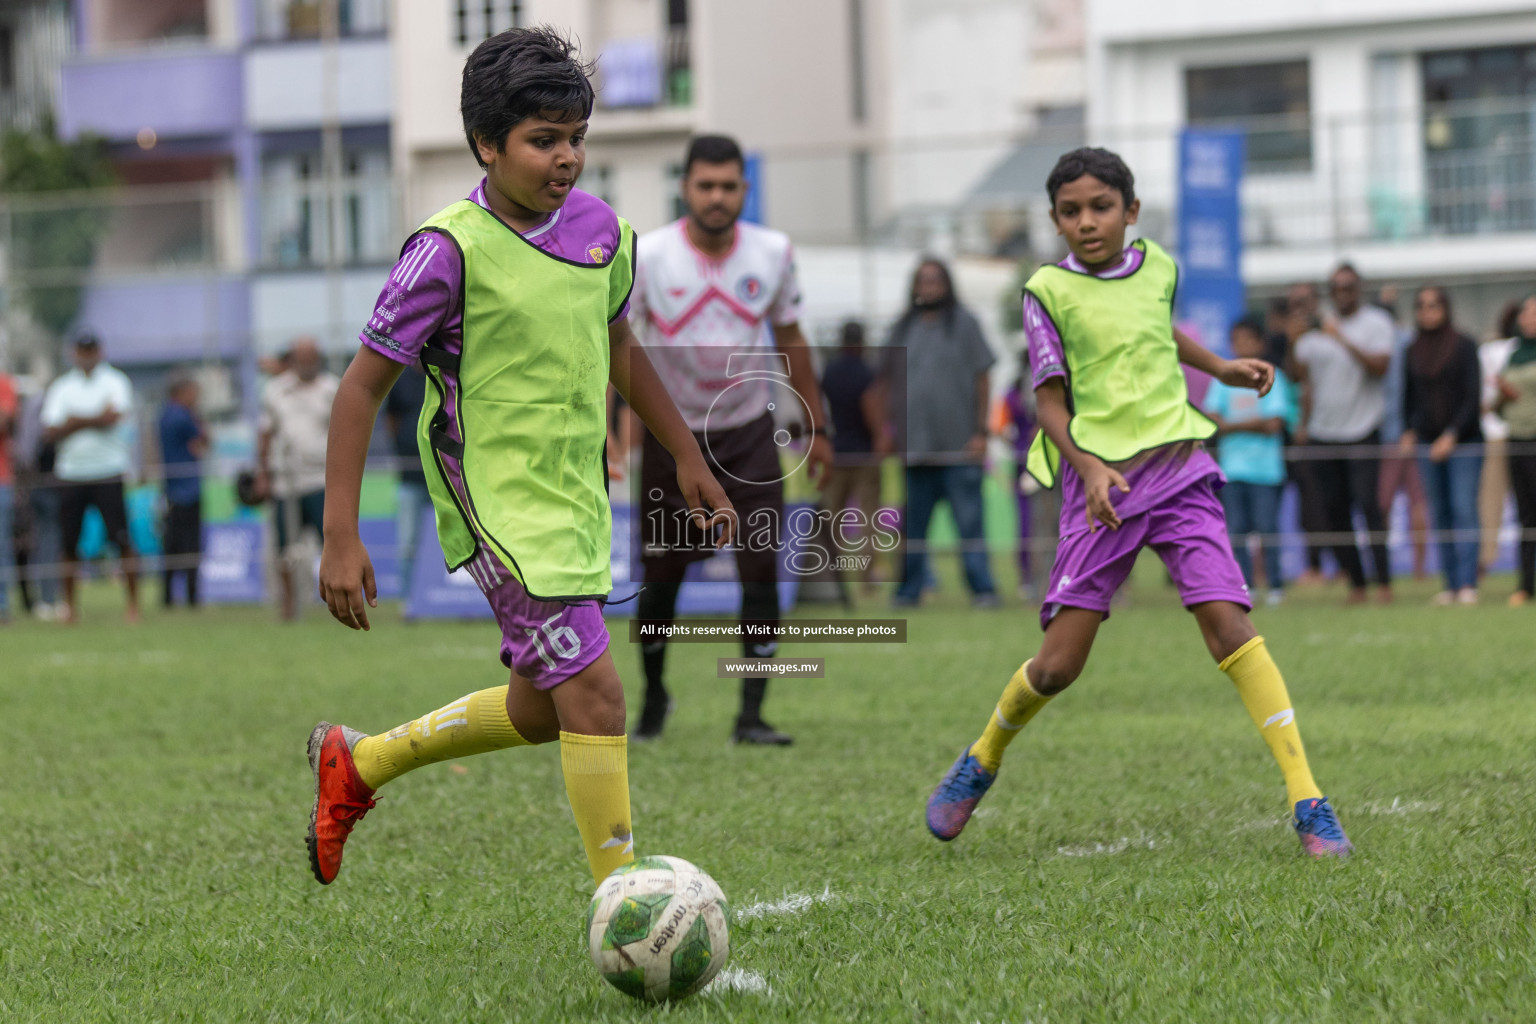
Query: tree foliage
pixel 53 240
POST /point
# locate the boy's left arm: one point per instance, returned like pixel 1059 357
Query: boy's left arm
pixel 633 376
pixel 1255 374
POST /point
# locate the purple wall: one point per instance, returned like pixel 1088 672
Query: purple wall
pixel 167 320
pixel 176 94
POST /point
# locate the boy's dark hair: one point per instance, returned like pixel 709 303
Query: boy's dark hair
pixel 712 149
pixel 1101 163
pixel 519 73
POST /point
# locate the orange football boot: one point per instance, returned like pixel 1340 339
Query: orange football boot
pixel 341 798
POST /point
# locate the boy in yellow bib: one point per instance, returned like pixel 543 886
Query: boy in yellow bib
pixel 1117 428
pixel 514 300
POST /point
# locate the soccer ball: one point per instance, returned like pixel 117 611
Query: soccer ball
pixel 658 929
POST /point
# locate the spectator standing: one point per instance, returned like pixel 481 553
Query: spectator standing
pixel 1277 340
pixel 402 410
pixel 33 459
pixel 1252 455
pixel 1493 489
pixel 1442 407
pixel 183 443
pixel 290 454
pixel 85 415
pixel 1517 405
pixel 8 417
pixel 1342 367
pixel 947 384
pixel 1400 472
pixel 1016 424
pixel 1300 316
pixel 858 435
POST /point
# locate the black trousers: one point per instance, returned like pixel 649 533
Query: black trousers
pixel 1522 480
pixel 183 547
pixel 1347 484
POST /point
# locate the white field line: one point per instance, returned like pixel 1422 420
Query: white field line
pixel 792 904
pixel 739 979
pixel 1142 842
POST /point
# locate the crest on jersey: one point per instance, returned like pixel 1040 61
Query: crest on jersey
pixel 595 253
pixel 749 287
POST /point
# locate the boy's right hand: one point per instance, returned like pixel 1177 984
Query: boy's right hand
pixel 707 503
pixel 1098 478
pixel 346 581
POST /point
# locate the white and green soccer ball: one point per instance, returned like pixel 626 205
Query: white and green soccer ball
pixel 658 929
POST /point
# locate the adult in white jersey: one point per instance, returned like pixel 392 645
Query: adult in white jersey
pixel 87 414
pixel 707 289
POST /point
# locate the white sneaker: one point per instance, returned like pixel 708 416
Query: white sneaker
pixel 1444 599
pixel 1466 595
pixel 1275 597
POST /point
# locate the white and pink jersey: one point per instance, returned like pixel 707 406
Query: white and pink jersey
pixel 710 309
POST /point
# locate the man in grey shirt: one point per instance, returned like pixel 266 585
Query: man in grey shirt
pixel 939 360
pixel 1342 366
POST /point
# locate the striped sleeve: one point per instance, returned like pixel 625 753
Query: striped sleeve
pixel 421 295
pixel 1046 357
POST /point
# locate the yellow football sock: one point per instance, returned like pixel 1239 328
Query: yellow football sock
pixel 597 783
pixel 1258 683
pixel 473 724
pixel 1015 708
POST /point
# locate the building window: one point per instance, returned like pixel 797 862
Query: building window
pixel 305 19
pixel 7 58
pixel 675 185
pixel 1480 172
pixel 307 222
pixel 1272 102
pixel 478 20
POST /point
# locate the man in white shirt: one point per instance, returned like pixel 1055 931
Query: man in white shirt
pixel 1342 367
pixel 85 414
pixel 709 289
pixel 290 453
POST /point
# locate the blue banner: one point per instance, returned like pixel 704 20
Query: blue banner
pixel 1211 295
pixel 233 569
pixel 752 170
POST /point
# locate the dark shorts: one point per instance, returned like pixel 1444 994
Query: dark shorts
pixel 745 460
pixel 310 513
pixel 107 497
pixel 1189 533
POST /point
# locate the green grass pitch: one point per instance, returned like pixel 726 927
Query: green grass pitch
pixel 1132 863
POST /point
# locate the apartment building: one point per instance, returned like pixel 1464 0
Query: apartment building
pixel 1397 134
pixel 223 117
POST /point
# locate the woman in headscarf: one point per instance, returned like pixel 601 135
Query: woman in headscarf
pixel 1517 405
pixel 1442 406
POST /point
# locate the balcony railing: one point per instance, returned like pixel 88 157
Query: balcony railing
pixel 309 223
pixel 647 71
pixel 305 19
pixel 1445 171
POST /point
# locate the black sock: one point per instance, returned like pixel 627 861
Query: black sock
pixel 658 603
pixel 759 608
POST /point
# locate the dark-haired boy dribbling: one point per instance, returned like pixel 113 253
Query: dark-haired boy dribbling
pixel 514 300
pixel 1117 427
